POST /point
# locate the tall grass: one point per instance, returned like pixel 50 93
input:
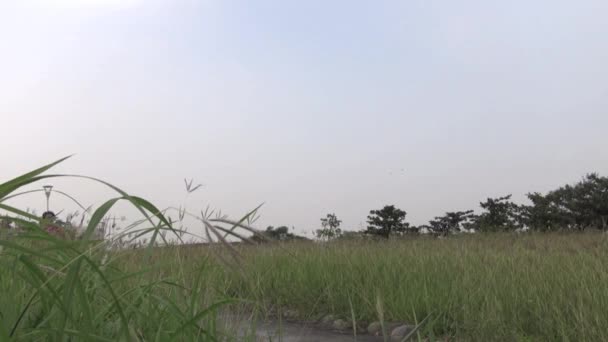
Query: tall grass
pixel 499 287
pixel 55 289
pixel 545 287
pixel 496 287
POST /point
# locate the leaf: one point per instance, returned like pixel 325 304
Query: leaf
pixel 68 295
pixel 97 216
pixel 15 183
pixel 200 315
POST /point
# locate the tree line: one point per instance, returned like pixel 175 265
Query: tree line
pixel 576 207
pixel 573 207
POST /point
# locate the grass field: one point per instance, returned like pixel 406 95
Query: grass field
pixel 496 287
pixel 490 287
pixel 476 287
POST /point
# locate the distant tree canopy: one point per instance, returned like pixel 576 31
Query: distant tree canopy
pixel 499 214
pixel 571 207
pixel 330 228
pixel 386 221
pixel 279 233
pixel 574 207
pixel 451 222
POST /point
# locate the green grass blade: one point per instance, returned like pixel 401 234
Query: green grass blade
pixel 116 301
pixel 415 330
pixel 68 295
pixel 97 216
pixel 18 212
pixel 14 184
pixel 198 316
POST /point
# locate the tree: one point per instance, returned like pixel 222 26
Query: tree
pixel 280 233
pixel 543 215
pixel 330 228
pixel 451 222
pixel 578 206
pixel 500 214
pixel 386 221
pixel 595 195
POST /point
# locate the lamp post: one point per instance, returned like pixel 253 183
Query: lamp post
pixel 47 193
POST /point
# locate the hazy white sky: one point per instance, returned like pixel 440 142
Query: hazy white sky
pixel 309 106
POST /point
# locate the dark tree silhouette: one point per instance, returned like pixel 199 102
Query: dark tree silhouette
pixel 386 221
pixel 543 215
pixel 500 214
pixel 451 222
pixel 575 207
pixel 280 233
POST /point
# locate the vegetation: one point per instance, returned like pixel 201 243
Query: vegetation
pixel 496 287
pixel 577 207
pixel 57 289
pixel 281 233
pixel 481 287
pixel 545 285
pixel 451 222
pixel 386 221
pixel 330 228
pixel 574 207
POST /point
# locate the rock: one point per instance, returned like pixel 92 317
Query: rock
pixel 374 328
pixel 341 324
pixel 400 332
pixel 362 327
pixel 328 320
pixel 291 314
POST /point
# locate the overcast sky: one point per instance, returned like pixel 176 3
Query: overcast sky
pixel 308 106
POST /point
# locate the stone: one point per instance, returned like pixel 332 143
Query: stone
pixel 291 314
pixel 341 324
pixel 374 328
pixel 362 327
pixel 398 333
pixel 328 319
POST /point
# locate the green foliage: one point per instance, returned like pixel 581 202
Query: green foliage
pixel 451 222
pixel 475 287
pixel 387 221
pixel 543 215
pixel 55 289
pixel 279 234
pixel 541 287
pixel 499 214
pixel 573 207
pixel 330 228
pixel 5 223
